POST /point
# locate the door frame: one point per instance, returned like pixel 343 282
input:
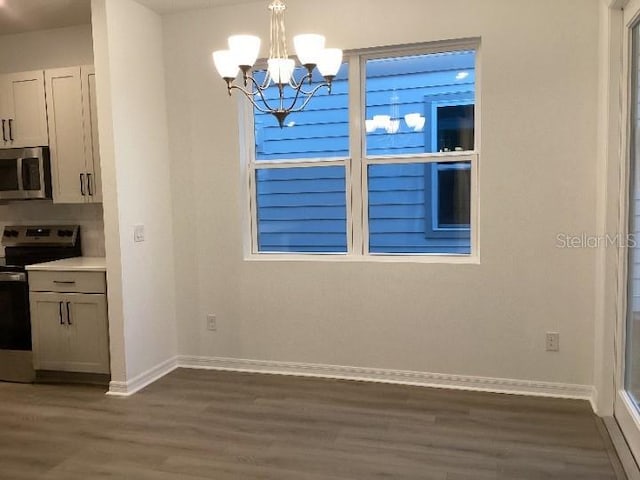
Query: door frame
pixel 625 412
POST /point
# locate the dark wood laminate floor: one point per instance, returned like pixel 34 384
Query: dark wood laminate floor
pixel 196 425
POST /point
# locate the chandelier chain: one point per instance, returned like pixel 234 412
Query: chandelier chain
pixel 278 47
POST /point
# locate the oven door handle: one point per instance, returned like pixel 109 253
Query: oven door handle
pixel 13 277
pixel 60 313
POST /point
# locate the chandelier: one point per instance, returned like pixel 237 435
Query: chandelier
pixel 292 96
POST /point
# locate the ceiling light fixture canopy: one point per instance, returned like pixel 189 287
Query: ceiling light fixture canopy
pixel 311 52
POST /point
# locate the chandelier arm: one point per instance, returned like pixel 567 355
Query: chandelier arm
pixel 250 95
pixel 296 85
pixel 260 91
pixel 315 89
pixel 295 99
pixel 309 96
pixel 266 82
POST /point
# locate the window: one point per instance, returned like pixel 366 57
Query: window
pixel 383 166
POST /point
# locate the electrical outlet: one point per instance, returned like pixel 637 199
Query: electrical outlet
pixel 138 233
pixel 211 322
pixel 553 342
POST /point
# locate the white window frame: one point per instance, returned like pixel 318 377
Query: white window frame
pixel 356 167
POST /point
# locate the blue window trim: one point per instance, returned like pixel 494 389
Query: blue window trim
pixel 432 103
pixel 435 197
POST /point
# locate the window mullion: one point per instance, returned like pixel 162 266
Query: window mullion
pixel 300 163
pixel 253 208
pixel 356 139
pixel 247 151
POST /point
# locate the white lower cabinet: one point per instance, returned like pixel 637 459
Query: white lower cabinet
pixel 69 331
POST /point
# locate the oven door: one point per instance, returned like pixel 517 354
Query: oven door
pixel 15 324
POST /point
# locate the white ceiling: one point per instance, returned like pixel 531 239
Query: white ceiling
pixel 172 6
pixel 18 16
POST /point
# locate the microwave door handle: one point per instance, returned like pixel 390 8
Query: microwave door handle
pixel 20 177
pixel 41 167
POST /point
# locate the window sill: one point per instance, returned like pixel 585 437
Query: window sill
pixel 332 257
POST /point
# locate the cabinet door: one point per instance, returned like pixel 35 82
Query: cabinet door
pixel 64 107
pixel 5 142
pixel 49 331
pixel 88 333
pixel 91 141
pixel 25 109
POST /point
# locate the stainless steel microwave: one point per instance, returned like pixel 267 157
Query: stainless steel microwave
pixel 25 173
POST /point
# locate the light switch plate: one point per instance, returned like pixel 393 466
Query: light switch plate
pixel 138 233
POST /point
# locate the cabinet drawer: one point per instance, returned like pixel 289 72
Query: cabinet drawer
pixel 75 282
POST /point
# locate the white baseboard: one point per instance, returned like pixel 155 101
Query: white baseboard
pixel 125 389
pixel 404 377
pixel 593 400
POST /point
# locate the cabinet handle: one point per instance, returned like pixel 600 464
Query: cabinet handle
pixel 68 315
pixel 65 282
pixel 89 184
pixel 82 184
pixel 60 313
pixel 4 134
pixel 10 130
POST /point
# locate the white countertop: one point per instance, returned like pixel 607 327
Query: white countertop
pixel 77 264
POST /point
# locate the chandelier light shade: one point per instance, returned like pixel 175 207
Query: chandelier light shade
pixel 310 49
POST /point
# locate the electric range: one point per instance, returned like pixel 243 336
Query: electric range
pixel 26 245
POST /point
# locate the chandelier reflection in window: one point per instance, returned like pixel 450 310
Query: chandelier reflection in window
pixel 392 123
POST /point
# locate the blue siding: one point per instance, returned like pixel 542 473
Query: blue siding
pixel 302 209
pixel 321 130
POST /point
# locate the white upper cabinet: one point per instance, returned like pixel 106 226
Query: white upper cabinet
pixel 23 111
pixel 73 135
pixel 66 130
pixel 91 142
